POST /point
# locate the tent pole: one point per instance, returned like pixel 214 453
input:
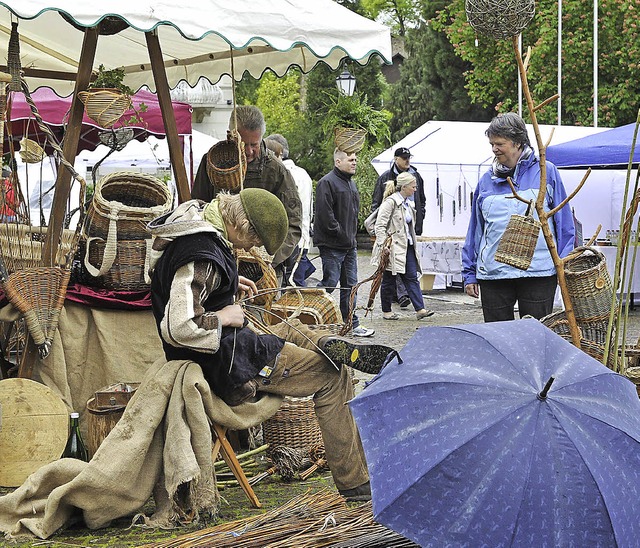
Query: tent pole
pixel 176 155
pixel 70 147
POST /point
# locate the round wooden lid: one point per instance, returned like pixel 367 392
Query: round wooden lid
pixel 33 429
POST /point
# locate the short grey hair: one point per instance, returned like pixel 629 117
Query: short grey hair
pixel 283 142
pixel 509 126
pixel 249 117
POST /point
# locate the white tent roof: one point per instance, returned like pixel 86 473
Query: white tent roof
pixel 464 144
pixel 195 37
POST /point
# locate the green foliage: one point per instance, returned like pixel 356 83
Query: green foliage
pixel 356 112
pixel 112 79
pixel 493 79
pixel 397 14
pixel 279 101
pixel 365 179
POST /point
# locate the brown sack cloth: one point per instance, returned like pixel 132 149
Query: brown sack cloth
pixel 174 402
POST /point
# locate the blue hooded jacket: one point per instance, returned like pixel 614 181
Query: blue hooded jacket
pixel 493 205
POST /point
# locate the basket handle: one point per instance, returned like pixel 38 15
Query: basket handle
pixel 147 255
pixel 529 212
pixel 577 251
pixel 108 257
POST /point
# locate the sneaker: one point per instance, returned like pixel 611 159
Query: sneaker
pixel 404 302
pixel 362 331
pixel 364 356
pixel 362 493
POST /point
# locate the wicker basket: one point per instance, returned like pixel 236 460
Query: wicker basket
pixel 518 243
pixel 312 306
pixel 105 106
pixel 226 165
pixel 256 265
pixel 348 139
pixel 30 151
pixel 633 374
pixel 123 204
pixel 589 284
pixel 128 264
pixel 294 425
pixel 21 246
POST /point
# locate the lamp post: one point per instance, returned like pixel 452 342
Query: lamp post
pixel 346 82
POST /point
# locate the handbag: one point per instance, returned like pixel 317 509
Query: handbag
pixel 370 222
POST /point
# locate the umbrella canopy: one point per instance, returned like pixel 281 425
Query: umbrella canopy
pixel 464 451
pixel 54 111
pixel 196 37
pixel 611 148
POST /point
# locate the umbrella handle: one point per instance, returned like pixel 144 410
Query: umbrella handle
pixel 543 395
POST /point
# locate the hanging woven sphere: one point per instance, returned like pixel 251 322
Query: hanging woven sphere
pixel 500 18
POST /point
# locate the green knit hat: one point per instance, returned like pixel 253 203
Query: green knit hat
pixel 267 215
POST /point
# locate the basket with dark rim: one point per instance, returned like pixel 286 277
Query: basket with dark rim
pixel 588 284
pixel 312 306
pixel 226 165
pixel 349 139
pixel 256 265
pixel 105 106
pixel 128 264
pixel 519 240
pixel 293 425
pixel 123 203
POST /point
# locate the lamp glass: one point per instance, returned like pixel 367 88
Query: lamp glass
pixel 346 82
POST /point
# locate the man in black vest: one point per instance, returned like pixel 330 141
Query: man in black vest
pixel 195 290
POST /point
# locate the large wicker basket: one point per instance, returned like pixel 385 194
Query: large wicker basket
pixel 589 284
pixel 105 106
pixel 128 264
pixel 294 425
pixel 519 240
pixel 123 204
pixel 312 306
pixel 348 139
pixel 226 165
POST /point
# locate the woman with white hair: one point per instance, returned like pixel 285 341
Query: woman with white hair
pixel 397 219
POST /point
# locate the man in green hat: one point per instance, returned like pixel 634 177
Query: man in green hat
pixel 195 293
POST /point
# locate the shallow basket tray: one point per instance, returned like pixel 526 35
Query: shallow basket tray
pixel 294 425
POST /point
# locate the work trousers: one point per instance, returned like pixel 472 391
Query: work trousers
pixel 301 370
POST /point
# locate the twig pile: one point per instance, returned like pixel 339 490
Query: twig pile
pixel 320 520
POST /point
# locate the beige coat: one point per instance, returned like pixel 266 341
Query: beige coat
pixel 391 221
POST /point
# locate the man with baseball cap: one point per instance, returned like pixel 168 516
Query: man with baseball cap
pixel 402 163
pixel 197 298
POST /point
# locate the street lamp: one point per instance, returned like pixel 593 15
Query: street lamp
pixel 346 83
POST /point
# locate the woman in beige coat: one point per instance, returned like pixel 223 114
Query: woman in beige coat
pixel 397 218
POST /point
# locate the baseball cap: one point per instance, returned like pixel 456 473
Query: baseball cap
pixel 402 151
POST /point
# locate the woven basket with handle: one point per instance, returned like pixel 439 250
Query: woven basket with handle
pixel 226 165
pixel 105 106
pixel 518 242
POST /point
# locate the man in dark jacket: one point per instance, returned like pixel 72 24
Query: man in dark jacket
pixel 195 295
pixel 334 233
pixel 263 171
pixel 402 163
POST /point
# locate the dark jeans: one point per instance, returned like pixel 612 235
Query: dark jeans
pixel 533 295
pixel 409 280
pixel 340 266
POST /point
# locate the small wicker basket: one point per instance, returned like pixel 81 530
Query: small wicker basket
pixel 30 151
pixel 312 306
pixel 226 165
pixel 256 265
pixel 294 425
pixel 348 139
pixel 518 242
pixel 105 106
pixel 589 284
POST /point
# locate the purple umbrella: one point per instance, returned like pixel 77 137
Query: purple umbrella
pixel 502 434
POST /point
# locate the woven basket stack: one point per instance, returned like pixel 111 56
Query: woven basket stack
pixel 113 253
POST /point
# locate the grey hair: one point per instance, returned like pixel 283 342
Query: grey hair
pixel 283 142
pixel 249 118
pixel 509 126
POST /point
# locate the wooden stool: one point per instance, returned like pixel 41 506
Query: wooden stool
pixel 221 445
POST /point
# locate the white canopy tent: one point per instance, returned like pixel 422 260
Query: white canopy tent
pixel 452 156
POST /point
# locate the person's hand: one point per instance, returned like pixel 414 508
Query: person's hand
pixel 473 290
pixel 246 288
pixel 231 315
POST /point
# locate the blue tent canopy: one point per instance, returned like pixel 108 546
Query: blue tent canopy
pixel 606 149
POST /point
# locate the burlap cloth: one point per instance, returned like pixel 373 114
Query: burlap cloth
pixel 163 441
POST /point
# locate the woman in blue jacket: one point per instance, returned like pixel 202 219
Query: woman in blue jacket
pixel 501 286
